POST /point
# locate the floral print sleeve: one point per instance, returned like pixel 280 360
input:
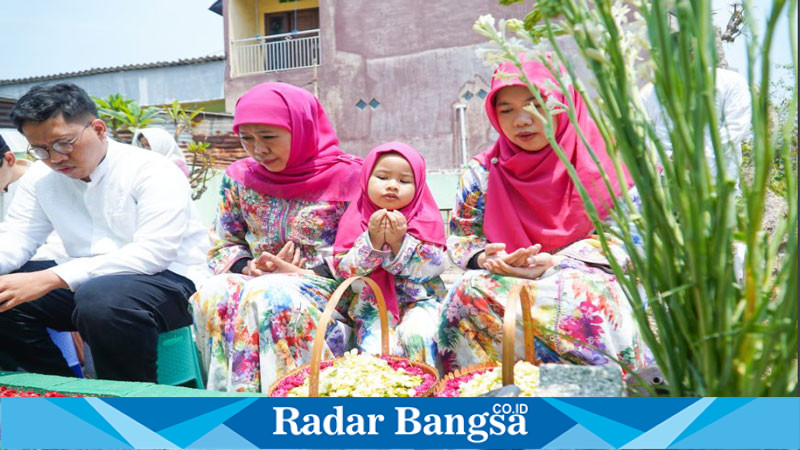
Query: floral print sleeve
pixel 419 289
pixel 229 231
pixel 360 260
pixel 416 261
pixel 466 224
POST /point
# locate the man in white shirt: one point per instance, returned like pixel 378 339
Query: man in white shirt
pixel 135 247
pixel 732 101
pixel 11 171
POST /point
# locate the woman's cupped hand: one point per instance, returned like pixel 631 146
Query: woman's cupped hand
pixel 526 262
pixel 288 260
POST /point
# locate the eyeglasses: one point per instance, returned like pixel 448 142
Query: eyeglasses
pixel 62 148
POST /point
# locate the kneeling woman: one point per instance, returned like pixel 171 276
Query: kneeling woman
pixel 515 200
pixel 285 200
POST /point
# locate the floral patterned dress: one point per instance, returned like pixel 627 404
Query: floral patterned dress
pixel 416 269
pixel 280 313
pixel 226 329
pixel 252 331
pixel 579 301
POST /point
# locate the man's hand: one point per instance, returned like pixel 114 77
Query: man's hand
pixel 19 288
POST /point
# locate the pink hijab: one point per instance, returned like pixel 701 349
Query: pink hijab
pixel 422 214
pixel 316 170
pixel 531 198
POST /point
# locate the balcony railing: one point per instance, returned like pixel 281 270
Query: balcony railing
pixel 276 52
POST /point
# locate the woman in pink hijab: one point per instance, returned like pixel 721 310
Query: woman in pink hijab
pixel 282 204
pixel 519 219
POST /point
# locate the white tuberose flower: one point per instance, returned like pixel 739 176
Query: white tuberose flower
pixel 554 105
pixel 549 86
pixel 485 26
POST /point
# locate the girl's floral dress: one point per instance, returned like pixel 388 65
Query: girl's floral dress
pixel 252 328
pixel 578 302
pixel 416 269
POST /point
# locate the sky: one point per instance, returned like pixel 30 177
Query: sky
pixel 736 53
pixel 44 37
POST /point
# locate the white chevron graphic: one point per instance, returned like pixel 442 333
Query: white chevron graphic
pixel 137 434
pixel 667 431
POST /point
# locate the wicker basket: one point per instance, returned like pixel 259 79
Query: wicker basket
pixel 319 338
pixel 518 293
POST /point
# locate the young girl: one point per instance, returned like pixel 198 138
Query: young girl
pixel 394 233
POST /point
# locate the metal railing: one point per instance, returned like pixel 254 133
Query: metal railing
pixel 276 52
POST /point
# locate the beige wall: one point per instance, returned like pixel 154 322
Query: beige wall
pixel 241 19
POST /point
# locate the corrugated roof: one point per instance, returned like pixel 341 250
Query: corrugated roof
pixel 155 65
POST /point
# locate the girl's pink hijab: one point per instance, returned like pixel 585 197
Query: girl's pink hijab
pixel 531 198
pixel 422 214
pixel 316 170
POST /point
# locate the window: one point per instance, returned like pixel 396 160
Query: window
pixel 288 21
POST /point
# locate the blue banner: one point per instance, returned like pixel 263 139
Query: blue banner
pixel 263 423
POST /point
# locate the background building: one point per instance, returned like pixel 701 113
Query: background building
pixel 383 70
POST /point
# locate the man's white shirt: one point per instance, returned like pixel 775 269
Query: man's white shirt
pixel 733 111
pixel 53 249
pixel 135 216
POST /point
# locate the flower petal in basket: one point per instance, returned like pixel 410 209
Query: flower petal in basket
pixel 312 370
pixel 362 372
